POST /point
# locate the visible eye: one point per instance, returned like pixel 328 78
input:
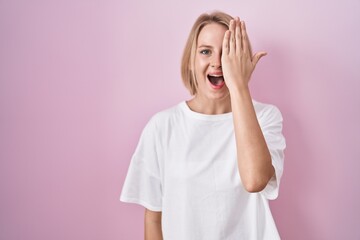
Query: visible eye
pixel 205 51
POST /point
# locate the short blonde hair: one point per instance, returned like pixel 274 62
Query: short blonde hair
pixel 188 58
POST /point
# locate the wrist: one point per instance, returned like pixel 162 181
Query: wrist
pixel 239 89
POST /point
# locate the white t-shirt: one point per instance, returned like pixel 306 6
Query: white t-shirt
pixel 185 165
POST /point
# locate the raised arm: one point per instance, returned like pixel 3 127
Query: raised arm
pixel 254 160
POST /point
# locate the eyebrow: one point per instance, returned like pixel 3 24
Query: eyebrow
pixel 205 46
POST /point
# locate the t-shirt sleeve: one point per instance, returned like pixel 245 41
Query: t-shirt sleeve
pixel 271 125
pixel 143 182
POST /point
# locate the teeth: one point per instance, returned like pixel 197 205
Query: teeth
pixel 216 80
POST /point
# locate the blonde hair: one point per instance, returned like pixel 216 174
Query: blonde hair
pixel 188 58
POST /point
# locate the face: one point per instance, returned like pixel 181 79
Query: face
pixel 207 63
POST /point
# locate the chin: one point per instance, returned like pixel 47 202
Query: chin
pixel 219 95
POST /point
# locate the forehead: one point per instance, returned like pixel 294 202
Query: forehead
pixel 211 33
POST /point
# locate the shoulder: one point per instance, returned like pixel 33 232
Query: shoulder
pixel 165 117
pixel 166 114
pixel 267 111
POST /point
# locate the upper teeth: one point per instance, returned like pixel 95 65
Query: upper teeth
pixel 215 75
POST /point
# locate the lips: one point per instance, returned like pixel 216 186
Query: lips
pixel 216 80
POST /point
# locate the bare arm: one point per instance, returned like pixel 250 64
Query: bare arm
pixel 254 159
pixel 153 230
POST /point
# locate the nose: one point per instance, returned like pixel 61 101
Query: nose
pixel 216 62
pixel 216 65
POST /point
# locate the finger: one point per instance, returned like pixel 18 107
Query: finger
pixel 238 36
pixel 257 57
pixel 225 47
pixel 245 39
pixel 248 41
pixel 232 36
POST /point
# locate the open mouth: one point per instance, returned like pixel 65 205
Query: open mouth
pixel 216 80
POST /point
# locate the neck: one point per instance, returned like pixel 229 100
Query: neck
pixel 210 106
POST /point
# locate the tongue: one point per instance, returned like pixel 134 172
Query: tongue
pixel 216 80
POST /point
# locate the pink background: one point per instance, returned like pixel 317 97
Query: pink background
pixel 79 80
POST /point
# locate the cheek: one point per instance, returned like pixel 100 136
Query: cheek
pixel 201 63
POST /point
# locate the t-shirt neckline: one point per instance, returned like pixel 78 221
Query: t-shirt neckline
pixel 209 117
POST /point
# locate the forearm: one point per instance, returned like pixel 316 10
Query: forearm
pixel 153 229
pixel 254 159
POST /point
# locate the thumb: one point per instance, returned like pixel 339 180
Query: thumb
pixel 257 57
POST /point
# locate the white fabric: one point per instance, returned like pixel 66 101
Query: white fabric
pixel 185 166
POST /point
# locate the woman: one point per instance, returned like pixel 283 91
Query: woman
pixel 206 168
